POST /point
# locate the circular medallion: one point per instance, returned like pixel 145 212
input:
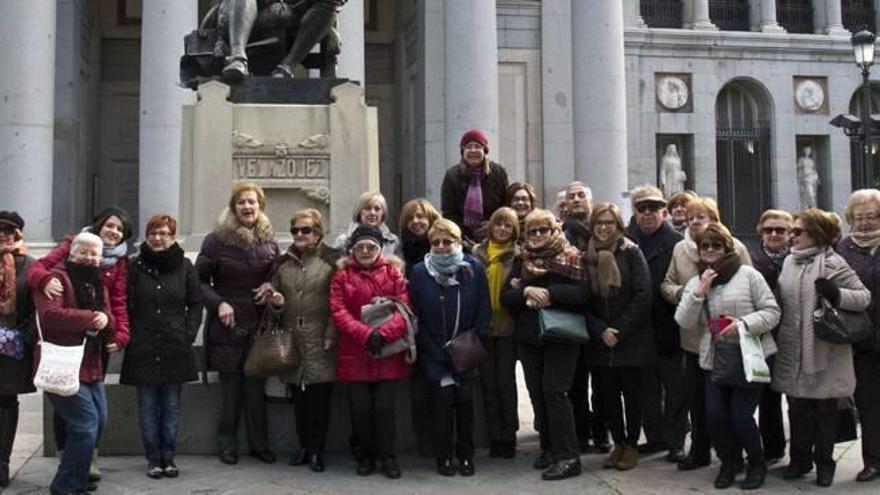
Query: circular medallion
pixel 672 92
pixel 809 95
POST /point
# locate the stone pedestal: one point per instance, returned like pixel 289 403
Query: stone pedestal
pixel 318 155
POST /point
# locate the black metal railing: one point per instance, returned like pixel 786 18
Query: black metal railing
pixel 859 15
pixel 796 16
pixel 730 15
pixel 662 13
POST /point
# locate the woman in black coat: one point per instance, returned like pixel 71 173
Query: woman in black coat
pixel 16 316
pixel 165 311
pixel 544 276
pixel 623 343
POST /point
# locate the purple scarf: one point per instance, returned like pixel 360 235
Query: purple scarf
pixel 473 200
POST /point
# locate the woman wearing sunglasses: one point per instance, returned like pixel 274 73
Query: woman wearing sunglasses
pixel 737 295
pixel 813 373
pixel 372 381
pixel 450 296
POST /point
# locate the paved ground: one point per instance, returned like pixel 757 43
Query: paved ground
pixel 206 476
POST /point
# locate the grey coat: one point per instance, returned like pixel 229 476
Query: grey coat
pixel 746 296
pixel 833 375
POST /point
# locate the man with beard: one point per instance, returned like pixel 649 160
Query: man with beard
pixel 80 313
pixel 664 403
pixel 579 199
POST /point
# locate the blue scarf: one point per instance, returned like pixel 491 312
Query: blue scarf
pixel 444 267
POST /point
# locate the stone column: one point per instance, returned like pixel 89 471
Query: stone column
pixel 27 112
pixel 834 19
pixel 701 20
pixel 471 72
pixel 350 22
pixel 768 17
pixel 164 24
pixel 556 96
pixel 599 84
pixel 634 14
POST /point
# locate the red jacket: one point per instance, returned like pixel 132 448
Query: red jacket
pixel 351 288
pixel 63 323
pixel 115 281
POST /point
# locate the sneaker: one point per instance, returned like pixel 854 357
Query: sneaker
pixel 154 470
pixel 171 470
pixel 445 467
pixel 466 467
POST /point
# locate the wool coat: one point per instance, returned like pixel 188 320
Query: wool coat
pixel 833 375
pixel 867 267
pixel 16 377
pixel 454 188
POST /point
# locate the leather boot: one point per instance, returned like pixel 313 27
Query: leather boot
pixel 755 476
pixel 8 424
pixel 629 459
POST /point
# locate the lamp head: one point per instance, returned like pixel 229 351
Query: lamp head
pixel 863 48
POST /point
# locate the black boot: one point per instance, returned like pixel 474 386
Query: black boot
pixel 754 476
pixel 8 424
pixel 825 474
pixel 726 476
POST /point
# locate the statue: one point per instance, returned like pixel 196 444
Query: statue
pixel 807 177
pixel 672 176
pixel 238 38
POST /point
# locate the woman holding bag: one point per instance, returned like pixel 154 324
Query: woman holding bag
pixel 811 372
pixel 735 297
pixel 450 296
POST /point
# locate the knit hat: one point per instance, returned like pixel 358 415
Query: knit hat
pixel 366 232
pixel 11 219
pixel 477 136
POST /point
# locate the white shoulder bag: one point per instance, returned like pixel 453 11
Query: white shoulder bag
pixel 58 372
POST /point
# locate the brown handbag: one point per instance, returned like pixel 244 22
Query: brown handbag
pixel 273 349
pixel 465 349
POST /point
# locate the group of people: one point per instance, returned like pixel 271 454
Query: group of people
pixel 467 291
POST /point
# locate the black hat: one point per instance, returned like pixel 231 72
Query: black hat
pixel 366 232
pixel 12 219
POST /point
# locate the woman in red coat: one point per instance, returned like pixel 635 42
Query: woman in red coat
pixel 372 381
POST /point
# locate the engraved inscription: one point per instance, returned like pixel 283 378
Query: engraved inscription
pixel 284 167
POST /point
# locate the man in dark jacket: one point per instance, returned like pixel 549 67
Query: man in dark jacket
pixel 664 404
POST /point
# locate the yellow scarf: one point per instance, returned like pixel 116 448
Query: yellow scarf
pixel 495 275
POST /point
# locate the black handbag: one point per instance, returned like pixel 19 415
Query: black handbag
pixel 563 326
pixel 839 326
pixel 727 364
pixel 465 349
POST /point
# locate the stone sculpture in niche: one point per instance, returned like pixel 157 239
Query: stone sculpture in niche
pixel 807 177
pixel 672 175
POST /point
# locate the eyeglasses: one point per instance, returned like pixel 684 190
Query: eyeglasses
pixel 301 230
pixel 365 247
pixel 774 230
pixel 7 230
pixel 605 223
pixel 540 231
pixel 796 231
pixel 161 234
pixel 646 207
pixel 711 246
pixel 445 242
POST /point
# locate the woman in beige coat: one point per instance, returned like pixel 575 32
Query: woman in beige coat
pixel 814 373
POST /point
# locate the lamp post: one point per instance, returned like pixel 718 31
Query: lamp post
pixel 863 50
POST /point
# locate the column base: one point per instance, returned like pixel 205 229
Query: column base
pixel 639 23
pixel 838 30
pixel 772 27
pixel 704 26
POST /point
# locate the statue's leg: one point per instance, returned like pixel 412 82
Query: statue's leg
pixel 312 28
pixel 242 15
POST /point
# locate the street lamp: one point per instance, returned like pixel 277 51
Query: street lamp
pixel 863 50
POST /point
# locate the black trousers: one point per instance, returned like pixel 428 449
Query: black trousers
pixel 770 420
pixel 242 392
pixel 813 429
pixel 664 401
pixel 867 366
pixel 420 404
pixel 695 383
pixel 731 415
pixel 8 425
pixel 585 402
pixel 614 384
pixel 453 408
pixel 311 407
pixel 549 371
pixel 373 409
pixel 498 380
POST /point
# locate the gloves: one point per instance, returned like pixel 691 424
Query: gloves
pixel 375 343
pixel 828 290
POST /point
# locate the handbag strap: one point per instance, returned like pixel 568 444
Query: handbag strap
pixel 40 328
pixel 457 313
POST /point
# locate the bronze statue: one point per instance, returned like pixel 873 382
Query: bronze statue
pixel 238 38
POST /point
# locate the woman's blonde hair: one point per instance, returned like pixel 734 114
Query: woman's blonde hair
pixel 367 198
pixel 704 205
pixel 539 215
pixel 409 209
pixel 859 198
pixel 505 214
pixel 447 226
pixel 600 208
pixel 240 187
pixel 313 216
pixel 775 215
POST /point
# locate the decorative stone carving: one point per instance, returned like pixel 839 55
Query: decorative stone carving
pixel 809 95
pixel 672 175
pixel 808 178
pixel 673 92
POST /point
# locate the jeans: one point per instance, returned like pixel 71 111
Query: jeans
pixel 498 378
pixel 614 383
pixel 373 416
pixel 159 417
pixel 731 416
pixel 453 419
pixel 85 417
pixel 664 402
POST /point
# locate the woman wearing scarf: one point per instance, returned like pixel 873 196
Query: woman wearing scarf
pixel 727 288
pixel 498 371
pixel 113 225
pixel 16 318
pixel 859 249
pixel 450 296
pixel 814 373
pixel 701 212
pixel 372 210
pixel 620 297
pixel 522 198
pixel 774 227
pixel 473 188
pixel 545 276
pixel 165 307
